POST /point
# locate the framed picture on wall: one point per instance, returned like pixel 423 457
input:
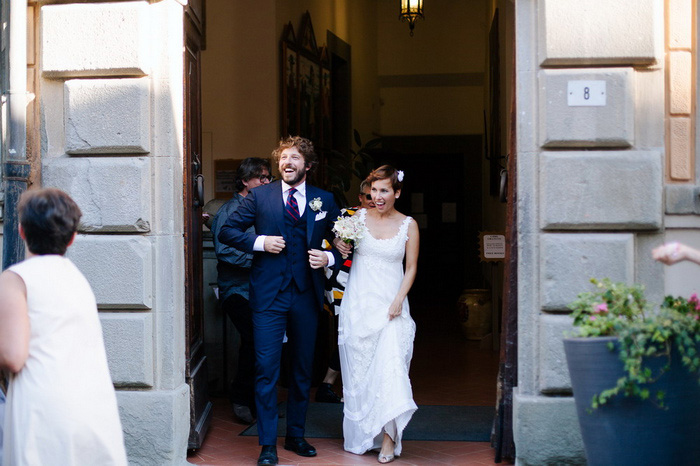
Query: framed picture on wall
pixel 290 82
pixel 326 104
pixel 309 97
pixel 309 81
pixel 306 85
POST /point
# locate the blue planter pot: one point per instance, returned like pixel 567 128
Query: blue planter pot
pixel 627 430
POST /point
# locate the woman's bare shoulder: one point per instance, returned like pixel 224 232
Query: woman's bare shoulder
pixel 12 282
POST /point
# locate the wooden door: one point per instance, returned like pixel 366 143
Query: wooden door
pixel 196 369
pixel 503 441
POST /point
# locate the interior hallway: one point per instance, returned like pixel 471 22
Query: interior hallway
pixel 446 370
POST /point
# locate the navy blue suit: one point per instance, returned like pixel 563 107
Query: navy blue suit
pixel 285 295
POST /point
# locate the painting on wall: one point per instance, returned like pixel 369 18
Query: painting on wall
pixel 326 131
pixel 290 82
pixel 309 97
pixel 306 85
pixel 309 81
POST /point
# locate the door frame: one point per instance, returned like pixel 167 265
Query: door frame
pixel 196 374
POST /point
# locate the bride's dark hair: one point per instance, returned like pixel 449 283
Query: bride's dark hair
pixel 386 172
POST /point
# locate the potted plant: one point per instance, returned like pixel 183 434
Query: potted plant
pixel 340 167
pixel 635 374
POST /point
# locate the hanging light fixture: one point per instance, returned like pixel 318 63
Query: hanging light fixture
pixel 410 10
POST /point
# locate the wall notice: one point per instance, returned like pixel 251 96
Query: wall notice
pixel 492 246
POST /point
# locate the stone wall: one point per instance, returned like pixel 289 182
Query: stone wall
pixel 112 113
pixel 591 173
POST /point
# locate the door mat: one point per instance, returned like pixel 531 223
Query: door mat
pixel 430 422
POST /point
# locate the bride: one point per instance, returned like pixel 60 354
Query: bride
pixel 375 332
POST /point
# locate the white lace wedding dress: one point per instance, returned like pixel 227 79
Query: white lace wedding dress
pixel 375 353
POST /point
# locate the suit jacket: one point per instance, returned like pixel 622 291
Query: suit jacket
pixel 263 208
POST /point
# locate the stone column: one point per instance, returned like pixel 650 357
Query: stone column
pixel 590 140
pixel 112 113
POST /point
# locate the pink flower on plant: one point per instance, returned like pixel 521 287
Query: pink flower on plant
pixel 600 308
pixel 592 318
pixel 693 298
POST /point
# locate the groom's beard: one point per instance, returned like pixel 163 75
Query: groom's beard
pixel 295 177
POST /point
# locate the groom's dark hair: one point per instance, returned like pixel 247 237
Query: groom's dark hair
pixel 303 145
pixel 49 217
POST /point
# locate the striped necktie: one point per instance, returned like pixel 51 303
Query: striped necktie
pixel 292 207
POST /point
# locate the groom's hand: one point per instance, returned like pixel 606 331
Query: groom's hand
pixel 274 244
pixel 317 258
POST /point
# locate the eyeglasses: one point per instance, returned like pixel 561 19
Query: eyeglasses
pixel 268 178
pixel 367 196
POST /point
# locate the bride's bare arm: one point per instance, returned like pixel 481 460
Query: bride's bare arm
pixel 411 269
pixel 14 331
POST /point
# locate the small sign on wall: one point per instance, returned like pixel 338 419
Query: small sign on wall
pixel 492 246
pixel 586 94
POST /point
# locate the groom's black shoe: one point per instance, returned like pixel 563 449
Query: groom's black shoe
pixel 299 446
pixel 268 455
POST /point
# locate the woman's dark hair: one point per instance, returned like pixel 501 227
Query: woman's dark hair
pixel 386 172
pixel 303 145
pixel 49 218
pixel 249 168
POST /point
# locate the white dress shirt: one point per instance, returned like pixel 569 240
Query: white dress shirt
pixel 300 196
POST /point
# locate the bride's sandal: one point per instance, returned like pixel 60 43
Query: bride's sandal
pixel 387 443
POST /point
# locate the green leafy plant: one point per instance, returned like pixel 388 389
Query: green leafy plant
pixel 643 334
pixel 342 167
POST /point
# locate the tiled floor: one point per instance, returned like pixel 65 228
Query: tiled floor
pixel 446 370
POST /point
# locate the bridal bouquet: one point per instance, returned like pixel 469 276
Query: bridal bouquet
pixel 348 229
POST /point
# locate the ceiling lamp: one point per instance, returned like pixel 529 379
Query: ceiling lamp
pixel 410 10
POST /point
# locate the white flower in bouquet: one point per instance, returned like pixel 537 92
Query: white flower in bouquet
pixel 349 229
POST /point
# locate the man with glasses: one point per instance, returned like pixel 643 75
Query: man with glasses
pixel 335 287
pixel 233 267
pixel 366 201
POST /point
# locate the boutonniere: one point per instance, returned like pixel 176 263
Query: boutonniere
pixel 316 204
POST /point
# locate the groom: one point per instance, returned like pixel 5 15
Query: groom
pixel 291 219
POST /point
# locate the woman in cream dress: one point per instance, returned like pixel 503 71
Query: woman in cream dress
pixel 61 406
pixel 376 331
